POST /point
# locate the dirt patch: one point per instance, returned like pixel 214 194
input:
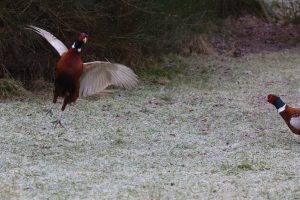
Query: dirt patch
pixel 249 34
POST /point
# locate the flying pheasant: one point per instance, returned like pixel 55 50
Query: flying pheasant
pixel 74 79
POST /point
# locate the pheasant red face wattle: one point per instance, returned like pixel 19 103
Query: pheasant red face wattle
pixel 271 98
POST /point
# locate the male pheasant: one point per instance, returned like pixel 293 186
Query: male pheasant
pixel 290 115
pixel 74 79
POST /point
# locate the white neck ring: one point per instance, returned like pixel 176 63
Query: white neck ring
pixel 281 109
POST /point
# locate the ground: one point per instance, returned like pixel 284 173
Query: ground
pixel 207 134
pixel 250 34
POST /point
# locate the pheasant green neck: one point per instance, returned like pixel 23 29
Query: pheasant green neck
pixel 77 45
pixel 279 104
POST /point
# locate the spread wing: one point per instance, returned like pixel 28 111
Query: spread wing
pixel 56 43
pixel 98 75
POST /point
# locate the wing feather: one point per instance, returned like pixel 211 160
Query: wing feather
pixel 98 75
pixel 56 43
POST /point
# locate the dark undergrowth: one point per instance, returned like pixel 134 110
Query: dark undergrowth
pixel 132 32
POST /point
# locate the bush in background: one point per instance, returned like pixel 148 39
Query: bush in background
pixel 128 31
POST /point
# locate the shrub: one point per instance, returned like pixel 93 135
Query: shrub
pixel 127 31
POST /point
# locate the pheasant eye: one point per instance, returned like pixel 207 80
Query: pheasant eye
pixel 84 40
pixel 83 37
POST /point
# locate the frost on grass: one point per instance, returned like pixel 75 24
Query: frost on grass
pixel 208 135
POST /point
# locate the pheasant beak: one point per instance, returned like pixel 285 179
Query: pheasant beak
pixel 84 40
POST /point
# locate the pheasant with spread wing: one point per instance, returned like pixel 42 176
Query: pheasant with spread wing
pixel 74 79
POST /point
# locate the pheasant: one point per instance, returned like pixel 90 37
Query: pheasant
pixel 290 115
pixel 74 79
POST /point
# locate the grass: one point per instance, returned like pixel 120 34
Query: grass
pixel 12 88
pixel 165 71
pixel 243 166
pixel 119 142
pixel 189 138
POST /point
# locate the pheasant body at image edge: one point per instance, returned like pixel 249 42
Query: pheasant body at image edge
pixel 290 115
